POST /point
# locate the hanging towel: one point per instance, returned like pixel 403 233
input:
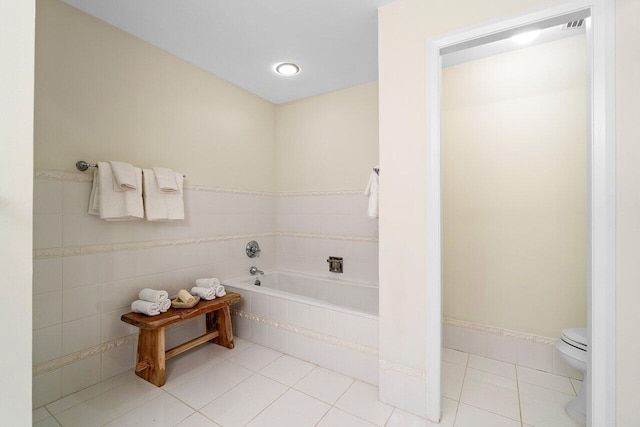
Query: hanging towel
pixel 208 283
pixel 166 180
pixel 145 307
pixel 161 206
pixel 372 191
pixel 220 291
pixel 124 176
pixel 164 305
pixel 94 198
pixel 204 293
pixel 152 295
pixel 118 205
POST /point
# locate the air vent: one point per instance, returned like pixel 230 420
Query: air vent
pixel 573 24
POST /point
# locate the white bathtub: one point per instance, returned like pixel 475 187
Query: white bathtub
pixel 329 322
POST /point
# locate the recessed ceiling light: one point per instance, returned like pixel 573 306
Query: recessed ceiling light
pixel 524 38
pixel 287 68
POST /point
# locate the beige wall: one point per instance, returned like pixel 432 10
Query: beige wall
pixel 103 94
pixel 16 166
pixel 628 211
pixel 514 189
pixel 328 142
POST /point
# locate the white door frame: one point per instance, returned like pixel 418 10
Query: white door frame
pixel 601 192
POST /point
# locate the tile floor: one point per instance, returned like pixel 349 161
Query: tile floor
pixel 252 385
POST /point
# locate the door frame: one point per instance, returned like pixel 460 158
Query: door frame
pixel 601 279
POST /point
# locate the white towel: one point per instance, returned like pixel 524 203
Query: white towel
pixel 94 198
pixel 166 180
pixel 219 290
pixel 165 305
pixel 152 295
pixel 204 293
pixel 145 307
pixel 118 205
pixel 124 177
pixel 373 192
pixel 161 206
pixel 208 283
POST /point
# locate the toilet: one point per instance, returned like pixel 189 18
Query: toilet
pixel 572 346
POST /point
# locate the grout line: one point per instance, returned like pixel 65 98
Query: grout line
pixel 466 368
pixel 519 400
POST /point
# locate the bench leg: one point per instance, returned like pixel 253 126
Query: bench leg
pixel 151 360
pixel 220 320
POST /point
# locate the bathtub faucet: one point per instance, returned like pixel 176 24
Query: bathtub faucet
pixel 254 270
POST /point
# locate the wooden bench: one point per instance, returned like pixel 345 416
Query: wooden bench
pixel 151 345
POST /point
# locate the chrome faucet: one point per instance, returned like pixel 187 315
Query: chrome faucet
pixel 254 270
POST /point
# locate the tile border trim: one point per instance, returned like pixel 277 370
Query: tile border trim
pixel 56 175
pixel 329 339
pixel 498 331
pixel 401 369
pixel 68 359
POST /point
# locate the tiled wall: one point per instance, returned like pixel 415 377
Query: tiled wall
pixel 78 300
pixel 304 224
pixel 87 271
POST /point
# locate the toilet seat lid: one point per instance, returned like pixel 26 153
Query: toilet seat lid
pixel 576 337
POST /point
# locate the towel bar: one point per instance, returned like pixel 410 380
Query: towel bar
pixel 82 166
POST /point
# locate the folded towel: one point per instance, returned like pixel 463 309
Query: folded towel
pixel 124 176
pixel 166 180
pixel 162 206
pixel 94 205
pixel 118 205
pixel 145 307
pixel 185 297
pixel 152 295
pixel 204 293
pixel 208 283
pixel 219 290
pixel 165 305
pixel 373 192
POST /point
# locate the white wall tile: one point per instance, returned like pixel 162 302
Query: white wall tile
pixel 47 196
pixel 80 271
pixel 47 275
pixel 278 309
pixel 502 347
pixel 298 314
pixel 47 343
pixel 81 229
pixel 320 320
pixel 118 360
pixel 535 355
pixel 80 375
pixel 260 304
pixel 117 266
pixel 81 302
pixel 75 197
pixel 80 334
pixel 260 333
pixel 47 387
pixel 114 328
pixel 298 346
pixel 47 230
pixel 279 339
pixel 47 309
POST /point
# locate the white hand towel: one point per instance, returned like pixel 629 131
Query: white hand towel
pixel 204 293
pixel 124 176
pixel 220 291
pixel 161 206
pixel 145 307
pixel 372 191
pixel 118 205
pixel 94 198
pixel 165 305
pixel 166 180
pixel 152 295
pixel 208 283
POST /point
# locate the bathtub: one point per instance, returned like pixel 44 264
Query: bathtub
pixel 329 322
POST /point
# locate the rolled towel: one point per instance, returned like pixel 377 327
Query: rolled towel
pixel 145 307
pixel 220 291
pixel 152 295
pixel 185 296
pixel 124 176
pixel 208 283
pixel 165 305
pixel 166 180
pixel 204 293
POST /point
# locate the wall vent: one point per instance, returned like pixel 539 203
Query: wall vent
pixel 579 23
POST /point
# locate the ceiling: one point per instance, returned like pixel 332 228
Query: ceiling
pixel 335 42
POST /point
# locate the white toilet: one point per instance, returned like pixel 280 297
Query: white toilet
pixel 572 346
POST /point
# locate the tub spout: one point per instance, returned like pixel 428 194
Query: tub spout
pixel 254 270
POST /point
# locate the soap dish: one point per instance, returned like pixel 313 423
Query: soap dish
pixel 176 303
